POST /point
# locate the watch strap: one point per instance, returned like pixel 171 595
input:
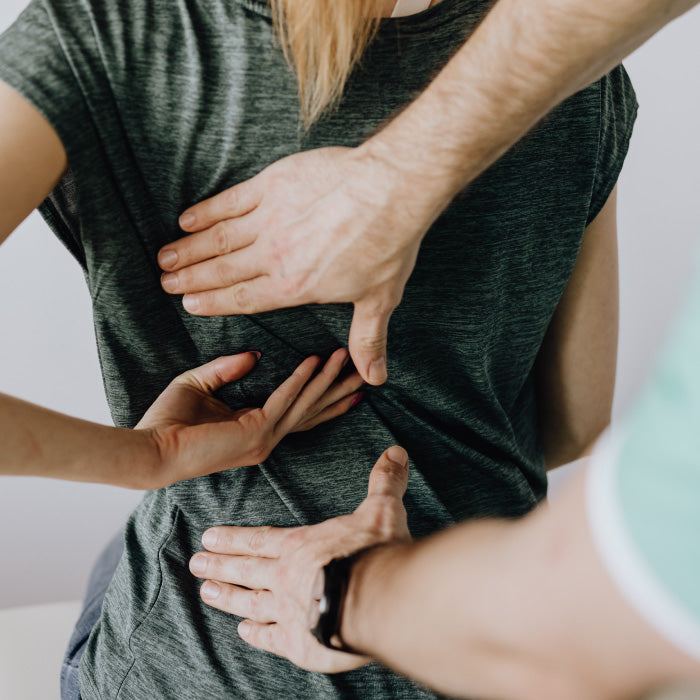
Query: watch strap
pixel 335 586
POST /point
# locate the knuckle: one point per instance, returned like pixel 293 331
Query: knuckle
pixel 258 538
pixel 294 285
pixel 231 199
pixel 241 297
pixel 278 252
pixel 385 470
pixel 259 452
pixel 245 566
pixel 276 178
pixel 184 278
pixel 221 245
pixel 224 538
pixel 372 344
pixel 382 517
pixel 221 270
pixel 206 303
pixel 255 604
pixel 296 539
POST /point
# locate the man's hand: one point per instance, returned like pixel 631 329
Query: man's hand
pixel 272 577
pixel 195 434
pixel 323 226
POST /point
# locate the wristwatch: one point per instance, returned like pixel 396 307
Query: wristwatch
pixel 336 575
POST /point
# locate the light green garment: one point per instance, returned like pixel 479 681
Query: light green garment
pixel 648 521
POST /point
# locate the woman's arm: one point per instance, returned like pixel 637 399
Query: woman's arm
pixel 32 157
pixel 186 432
pixel 577 361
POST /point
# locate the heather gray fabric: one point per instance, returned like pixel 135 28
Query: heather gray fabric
pixel 161 104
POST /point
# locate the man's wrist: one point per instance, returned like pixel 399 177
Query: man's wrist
pixel 415 172
pixel 369 577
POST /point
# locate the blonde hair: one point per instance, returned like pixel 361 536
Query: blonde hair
pixel 323 40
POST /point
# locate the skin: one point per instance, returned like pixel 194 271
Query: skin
pixel 576 364
pixel 594 38
pixel 346 224
pixel 187 432
pixel 484 609
pixel 575 380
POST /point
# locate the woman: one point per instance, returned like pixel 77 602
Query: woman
pixel 158 106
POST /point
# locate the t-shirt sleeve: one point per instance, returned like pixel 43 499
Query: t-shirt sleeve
pixel 618 112
pixel 644 488
pixel 34 63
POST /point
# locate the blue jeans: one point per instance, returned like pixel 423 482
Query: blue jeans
pixel 101 575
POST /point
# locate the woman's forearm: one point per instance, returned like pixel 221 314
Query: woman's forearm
pixel 525 58
pixel 39 442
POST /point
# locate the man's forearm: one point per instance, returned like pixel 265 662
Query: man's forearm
pixel 39 442
pixel 525 58
pixel 507 609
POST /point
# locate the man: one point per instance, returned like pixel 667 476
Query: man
pixel 523 60
pixel 593 597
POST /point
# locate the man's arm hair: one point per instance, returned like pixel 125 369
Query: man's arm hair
pixel 525 58
pixel 502 609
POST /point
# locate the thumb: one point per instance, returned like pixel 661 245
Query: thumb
pixel 217 373
pixel 389 476
pixel 367 342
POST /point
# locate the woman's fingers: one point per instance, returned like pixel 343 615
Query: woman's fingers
pixel 256 605
pixel 312 400
pixel 334 411
pixel 340 390
pixel 338 399
pixel 286 393
pixel 317 387
pixel 215 374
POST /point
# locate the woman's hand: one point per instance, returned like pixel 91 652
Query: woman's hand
pixel 272 576
pixel 196 434
pixel 324 226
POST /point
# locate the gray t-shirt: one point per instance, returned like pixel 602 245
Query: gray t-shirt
pixel 161 104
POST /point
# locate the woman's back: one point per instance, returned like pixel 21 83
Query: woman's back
pixel 160 105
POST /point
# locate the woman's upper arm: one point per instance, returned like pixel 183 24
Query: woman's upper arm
pixel 578 358
pixel 32 159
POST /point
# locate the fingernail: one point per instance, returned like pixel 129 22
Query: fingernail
pixel 377 371
pixel 167 258
pixel 346 360
pixel 187 220
pixel 198 564
pixel 357 399
pixel 191 303
pixel 210 590
pixel 244 628
pixel 210 538
pixel 169 282
pixel 397 455
pixel 256 353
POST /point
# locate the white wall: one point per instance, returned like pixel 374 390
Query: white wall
pixel 51 531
